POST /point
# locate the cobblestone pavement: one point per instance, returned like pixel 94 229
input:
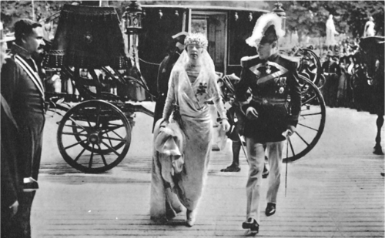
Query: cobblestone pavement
pixel 334 191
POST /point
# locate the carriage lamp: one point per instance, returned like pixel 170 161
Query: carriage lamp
pixel 281 13
pixel 133 17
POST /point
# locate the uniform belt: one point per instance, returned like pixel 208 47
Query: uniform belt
pixel 269 101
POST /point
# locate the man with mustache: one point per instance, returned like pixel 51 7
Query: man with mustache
pixel 23 89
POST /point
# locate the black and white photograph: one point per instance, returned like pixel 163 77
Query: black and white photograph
pixel 136 118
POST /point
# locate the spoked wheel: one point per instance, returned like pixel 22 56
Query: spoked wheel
pixel 94 136
pixel 78 133
pixel 311 123
pixel 310 66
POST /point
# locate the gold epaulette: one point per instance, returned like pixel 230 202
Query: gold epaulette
pixel 245 59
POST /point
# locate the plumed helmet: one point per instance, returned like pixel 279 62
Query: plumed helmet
pixel 268 28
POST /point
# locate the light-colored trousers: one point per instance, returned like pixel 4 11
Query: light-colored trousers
pixel 256 158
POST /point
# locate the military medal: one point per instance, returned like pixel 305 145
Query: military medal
pixel 281 90
pixel 268 70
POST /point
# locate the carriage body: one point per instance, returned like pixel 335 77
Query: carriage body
pixel 99 88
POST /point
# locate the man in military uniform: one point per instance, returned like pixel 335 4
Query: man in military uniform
pixel 23 89
pixel 164 74
pixel 272 113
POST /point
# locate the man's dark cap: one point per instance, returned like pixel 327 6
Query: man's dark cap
pixel 180 37
pixel 24 27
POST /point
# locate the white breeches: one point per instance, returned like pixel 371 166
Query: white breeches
pixel 256 158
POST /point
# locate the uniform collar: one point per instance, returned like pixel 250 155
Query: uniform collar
pixel 272 58
pixel 17 49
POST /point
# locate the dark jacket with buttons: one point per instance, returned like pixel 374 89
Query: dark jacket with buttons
pixel 25 97
pixel 275 95
pixel 162 83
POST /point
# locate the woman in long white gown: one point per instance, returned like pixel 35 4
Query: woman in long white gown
pixel 192 85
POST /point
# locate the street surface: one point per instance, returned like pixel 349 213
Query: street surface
pixel 334 191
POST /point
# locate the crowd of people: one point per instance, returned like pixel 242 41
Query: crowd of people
pixel 346 84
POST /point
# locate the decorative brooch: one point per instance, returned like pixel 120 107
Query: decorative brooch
pixel 202 88
pixel 268 70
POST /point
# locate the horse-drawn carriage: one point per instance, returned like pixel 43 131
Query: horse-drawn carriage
pixel 101 88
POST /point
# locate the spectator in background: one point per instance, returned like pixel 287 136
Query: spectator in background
pixel 9 179
pixel 164 72
pixel 236 120
pixel 342 83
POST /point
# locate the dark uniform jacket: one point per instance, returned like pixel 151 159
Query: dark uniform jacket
pixel 329 67
pixel 10 177
pixel 162 83
pixel 23 89
pixel 275 95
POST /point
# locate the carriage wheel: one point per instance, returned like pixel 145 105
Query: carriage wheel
pixel 94 136
pixel 77 133
pixel 311 123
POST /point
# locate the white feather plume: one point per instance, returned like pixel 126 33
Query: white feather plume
pixel 261 26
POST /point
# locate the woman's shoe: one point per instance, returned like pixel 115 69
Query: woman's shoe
pixel 190 218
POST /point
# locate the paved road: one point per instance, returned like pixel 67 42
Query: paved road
pixel 335 191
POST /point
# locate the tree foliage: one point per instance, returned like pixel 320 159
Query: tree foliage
pixel 309 17
pixel 11 11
